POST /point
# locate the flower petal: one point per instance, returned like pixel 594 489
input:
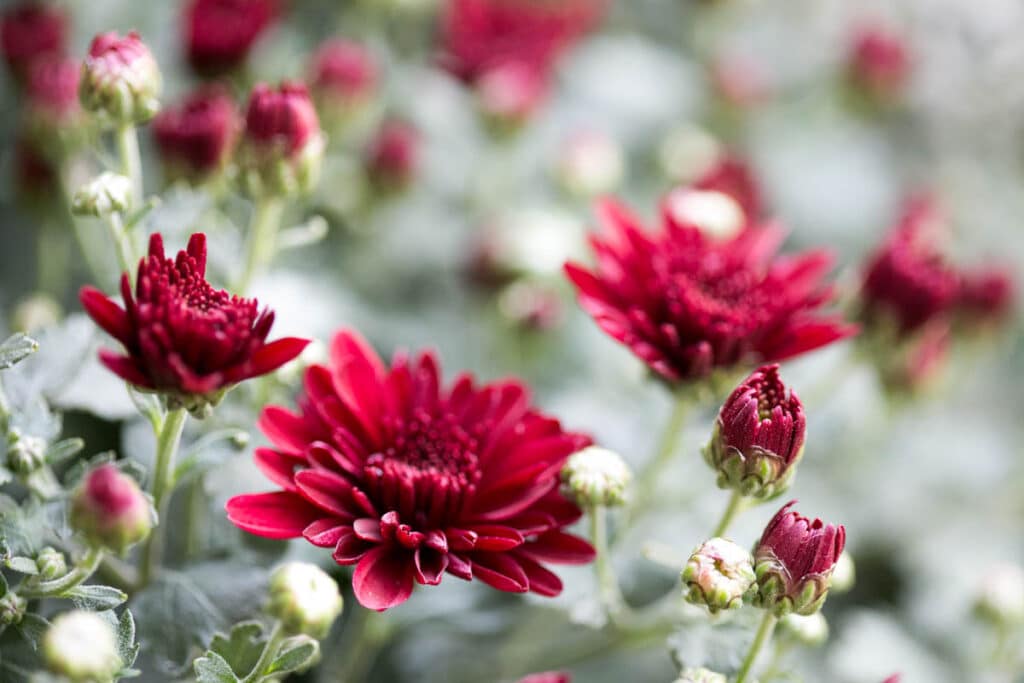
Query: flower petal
pixel 383 578
pixel 279 514
pixel 501 571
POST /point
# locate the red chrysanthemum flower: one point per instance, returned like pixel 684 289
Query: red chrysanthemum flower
pixel 220 33
pixel 343 74
pixel 879 62
pixel 408 480
pixel 29 32
pixel 907 280
pixel 52 90
pixel 732 176
pixel 197 138
pixel 182 337
pixel 480 35
pixel 687 304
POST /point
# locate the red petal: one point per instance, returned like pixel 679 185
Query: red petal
pixel 501 571
pixel 350 548
pixel 325 533
pixel 542 581
pixel 383 578
pixel 279 514
pixel 496 538
pixel 326 490
pixel 106 314
pixel 286 430
pixel 560 548
pixel 278 467
pixel 430 565
pixel 268 358
pixel 125 368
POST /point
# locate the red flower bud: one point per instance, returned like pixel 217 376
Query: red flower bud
pixel 30 32
pixel 220 33
pixel 879 63
pixel 548 677
pixel 987 295
pixel 392 158
pixel 182 337
pixel 110 510
pixel 510 93
pixel 53 116
pixel 120 79
pixel 794 562
pixel 759 436
pixel 196 138
pixel 343 76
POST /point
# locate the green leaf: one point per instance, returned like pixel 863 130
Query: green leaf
pixel 5 475
pixel 96 598
pixel 22 565
pixel 174 616
pixel 295 654
pixel 64 450
pixel 16 349
pixel 126 645
pixel 242 648
pixel 3 585
pixel 211 668
pixel 32 628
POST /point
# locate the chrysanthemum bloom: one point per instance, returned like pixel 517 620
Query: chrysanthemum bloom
pixel 732 176
pixel 758 437
pixel 53 115
pixel 343 78
pixel 183 338
pixel 196 139
pixel 879 63
pixel 282 147
pixel 987 296
pixel 908 282
pixel 548 677
pixel 120 80
pixel 687 304
pixel 794 561
pixel 29 32
pixel 220 33
pixel 408 480
pixel 393 156
pixel 110 510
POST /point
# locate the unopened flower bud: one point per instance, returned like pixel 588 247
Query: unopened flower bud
pixel 758 437
pixel 547 677
pixel 12 608
pixel 110 510
pixel 700 675
pixel 1000 600
pixel 509 94
pixel 82 647
pixel 31 32
pixel 106 194
pixel 220 34
pixel 686 152
pixel 25 454
pixel 36 312
pixel 879 63
pixel 282 149
pixel 590 163
pixel 596 476
pixel 531 306
pixel 343 79
pixel 393 157
pixel 51 564
pixel 197 138
pixel 304 598
pixel 794 562
pixel 810 630
pixel 716 214
pixel 54 119
pixel 719 575
pixel 844 575
pixel 120 80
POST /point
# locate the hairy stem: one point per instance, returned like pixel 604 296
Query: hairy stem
pixel 268 654
pixel 82 571
pixel 131 161
pixel 262 240
pixel 122 243
pixel 607 582
pixel 764 634
pixel 736 504
pixel 162 483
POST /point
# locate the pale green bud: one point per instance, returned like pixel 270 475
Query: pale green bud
pixel 596 476
pixel 304 598
pixel 82 647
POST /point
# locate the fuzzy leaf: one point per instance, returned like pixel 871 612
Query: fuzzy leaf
pixel 242 648
pixel 22 565
pixel 64 450
pixel 96 598
pixel 126 645
pixel 15 349
pixel 211 668
pixel 31 628
pixel 295 654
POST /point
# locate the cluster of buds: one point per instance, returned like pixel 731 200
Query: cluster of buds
pixel 718 575
pixel 82 647
pixel 51 564
pixel 758 437
pixel 25 454
pixel 120 80
pixel 196 139
pixel 12 608
pixel 794 562
pixel 110 510
pixel 105 194
pixel 596 476
pixel 282 147
pixel 304 598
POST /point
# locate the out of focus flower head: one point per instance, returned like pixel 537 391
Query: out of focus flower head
pixel 739 81
pixel 879 63
pixel 53 116
pixel 343 78
pixel 219 34
pixel 392 158
pixel 120 80
pixel 197 137
pixel 31 31
pixel 987 296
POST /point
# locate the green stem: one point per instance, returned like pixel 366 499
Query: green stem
pixel 82 571
pixel 122 243
pixel 607 582
pixel 764 634
pixel 262 242
pixel 667 446
pixel 736 504
pixel 268 654
pixel 53 259
pixel 131 161
pixel 162 483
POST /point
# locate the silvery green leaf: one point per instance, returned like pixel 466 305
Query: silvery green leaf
pixel 32 628
pixel 62 451
pixel 22 565
pixel 242 648
pixel 15 349
pixel 295 654
pixel 96 598
pixel 211 668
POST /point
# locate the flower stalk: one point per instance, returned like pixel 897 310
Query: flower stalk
pixel 761 638
pixel 667 447
pixel 737 503
pixel 263 229
pixel 85 568
pixel 168 439
pixel 607 581
pixel 131 160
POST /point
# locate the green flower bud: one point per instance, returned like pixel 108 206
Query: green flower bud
pixel 596 476
pixel 82 647
pixel 718 575
pixel 304 598
pixel 25 454
pixel 51 564
pixel 12 608
pixel 106 194
pixel 810 630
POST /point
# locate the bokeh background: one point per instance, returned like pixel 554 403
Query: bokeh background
pixel 929 488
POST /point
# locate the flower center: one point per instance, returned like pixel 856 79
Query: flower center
pixel 427 473
pixel 770 393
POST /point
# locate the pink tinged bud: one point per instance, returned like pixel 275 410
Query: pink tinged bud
pixel 758 437
pixel 879 63
pixel 31 32
pixel 343 77
pixel 219 34
pixel 740 81
pixel 548 677
pixel 510 93
pixel 392 158
pixel 120 79
pixel 110 510
pixel 794 560
pixel 196 138
pixel 54 119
